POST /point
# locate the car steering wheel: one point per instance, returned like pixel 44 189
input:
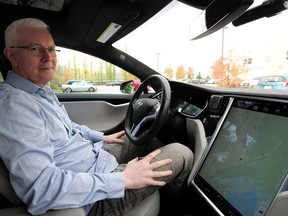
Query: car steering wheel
pixel 145 116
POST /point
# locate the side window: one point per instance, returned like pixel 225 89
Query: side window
pixel 98 75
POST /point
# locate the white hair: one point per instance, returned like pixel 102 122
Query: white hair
pixel 11 34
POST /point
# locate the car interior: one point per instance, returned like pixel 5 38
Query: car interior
pixel 237 135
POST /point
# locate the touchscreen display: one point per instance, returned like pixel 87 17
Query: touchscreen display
pixel 248 158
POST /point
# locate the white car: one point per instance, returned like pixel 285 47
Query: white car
pixel 79 86
pixel 251 83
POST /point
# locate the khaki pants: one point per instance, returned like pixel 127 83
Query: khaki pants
pixel 182 161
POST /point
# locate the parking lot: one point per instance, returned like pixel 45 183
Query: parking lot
pixel 107 89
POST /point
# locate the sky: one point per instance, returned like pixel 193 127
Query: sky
pixel 165 41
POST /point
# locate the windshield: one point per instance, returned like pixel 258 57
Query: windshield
pixel 225 58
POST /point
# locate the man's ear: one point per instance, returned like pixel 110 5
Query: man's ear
pixel 9 55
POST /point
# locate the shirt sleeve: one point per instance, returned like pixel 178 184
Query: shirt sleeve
pixel 28 152
pixel 93 135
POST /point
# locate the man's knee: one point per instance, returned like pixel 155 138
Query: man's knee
pixel 181 155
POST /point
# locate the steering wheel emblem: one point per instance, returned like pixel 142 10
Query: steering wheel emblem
pixel 139 104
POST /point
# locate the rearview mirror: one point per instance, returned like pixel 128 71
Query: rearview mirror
pixel 217 15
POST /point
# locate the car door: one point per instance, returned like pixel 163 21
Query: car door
pixel 100 111
pixel 83 86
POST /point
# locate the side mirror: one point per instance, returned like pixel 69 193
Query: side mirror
pixel 127 87
pixel 130 86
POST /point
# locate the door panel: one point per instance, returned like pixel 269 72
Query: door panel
pixel 98 115
pixel 101 112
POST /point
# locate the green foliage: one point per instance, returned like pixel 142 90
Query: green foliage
pixel 199 76
pixel 1 78
pixel 169 72
pixel 55 86
pixel 82 67
pixel 91 69
pixel 129 88
pixel 190 73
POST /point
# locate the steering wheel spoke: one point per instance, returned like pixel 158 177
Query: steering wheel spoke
pixel 135 129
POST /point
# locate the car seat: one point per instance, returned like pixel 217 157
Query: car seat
pixel 148 207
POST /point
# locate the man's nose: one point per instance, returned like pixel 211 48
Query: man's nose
pixel 46 54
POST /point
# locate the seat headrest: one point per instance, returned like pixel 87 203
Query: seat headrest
pixel 5 65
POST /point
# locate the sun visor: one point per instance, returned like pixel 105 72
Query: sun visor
pixel 111 21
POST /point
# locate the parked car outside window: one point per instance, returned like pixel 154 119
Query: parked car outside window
pixel 279 82
pixel 196 81
pixel 70 82
pixel 250 83
pixel 79 86
pixel 116 83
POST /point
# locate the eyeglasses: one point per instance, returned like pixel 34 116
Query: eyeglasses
pixel 38 50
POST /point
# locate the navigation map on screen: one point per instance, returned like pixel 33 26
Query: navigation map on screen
pixel 249 158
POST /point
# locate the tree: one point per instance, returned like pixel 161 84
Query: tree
pixel 127 76
pixel 63 74
pixel 75 68
pixel 228 71
pixel 168 71
pixel 67 75
pixel 85 73
pixel 108 72
pixel 199 76
pixel 190 74
pixel 234 72
pixel 1 78
pixel 180 73
pixel 92 71
pixel 218 69
pixel 113 72
pixel 100 72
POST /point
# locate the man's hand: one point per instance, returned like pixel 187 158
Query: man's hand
pixel 141 173
pixel 114 138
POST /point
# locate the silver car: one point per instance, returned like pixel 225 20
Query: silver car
pixel 79 86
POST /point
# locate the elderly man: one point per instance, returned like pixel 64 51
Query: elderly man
pixel 55 163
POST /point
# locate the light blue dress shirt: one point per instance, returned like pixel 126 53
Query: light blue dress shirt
pixel 53 162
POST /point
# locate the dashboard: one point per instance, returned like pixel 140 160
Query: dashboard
pixel 204 103
pixel 188 107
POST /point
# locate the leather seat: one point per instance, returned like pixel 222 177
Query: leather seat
pixel 148 207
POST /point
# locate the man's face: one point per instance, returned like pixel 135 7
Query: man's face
pixel 39 69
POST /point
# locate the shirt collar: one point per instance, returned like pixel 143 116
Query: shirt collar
pixel 23 84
